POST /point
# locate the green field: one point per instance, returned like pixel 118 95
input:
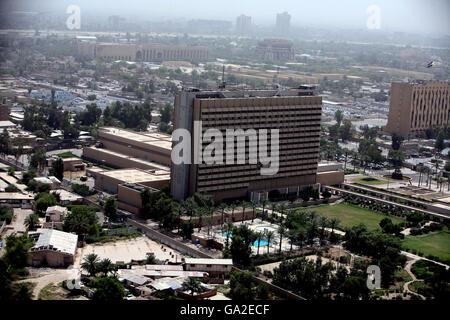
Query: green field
pixel 350 215
pixel 436 244
pixel 370 180
pixel 67 154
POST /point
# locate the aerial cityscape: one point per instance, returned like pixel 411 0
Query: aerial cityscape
pixel 232 152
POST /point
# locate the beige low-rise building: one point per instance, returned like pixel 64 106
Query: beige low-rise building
pixel 73 164
pixel 53 248
pixel 119 160
pixel 109 180
pixel 149 146
pixel 214 267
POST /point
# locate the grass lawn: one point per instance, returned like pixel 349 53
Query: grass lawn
pixel 436 244
pixel 370 180
pixel 350 215
pixel 67 154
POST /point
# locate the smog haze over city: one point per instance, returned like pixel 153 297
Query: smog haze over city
pixel 225 158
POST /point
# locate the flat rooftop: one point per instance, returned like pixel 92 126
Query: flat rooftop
pixel 51 239
pixel 136 175
pixel 124 156
pixel 209 261
pixel 15 196
pixel 152 138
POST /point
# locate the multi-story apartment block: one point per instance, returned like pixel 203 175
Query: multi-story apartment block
pixel 296 113
pixel 417 106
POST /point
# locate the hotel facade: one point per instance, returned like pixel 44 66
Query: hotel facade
pixel 296 113
pixel 418 106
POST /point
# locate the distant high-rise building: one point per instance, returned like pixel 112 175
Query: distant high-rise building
pixel 114 22
pixel 283 22
pixel 243 24
pixel 275 50
pixel 417 106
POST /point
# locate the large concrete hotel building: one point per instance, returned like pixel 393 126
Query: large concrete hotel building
pixel 142 52
pixel 295 112
pixel 417 106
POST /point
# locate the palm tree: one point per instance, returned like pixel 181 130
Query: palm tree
pixel 346 153
pixel 201 211
pixel 254 204
pixel 269 236
pixel 260 236
pixel 210 212
pixel 90 264
pixel 181 210
pixel 292 236
pixel 232 207
pixel 228 229
pixel 222 207
pixel 244 205
pixel 282 232
pixel 105 266
pixel 323 224
pixel 282 208
pixel 301 236
pixel 264 203
pixel 193 285
pixel 333 224
pixel 273 207
pixel 189 204
pixel 32 221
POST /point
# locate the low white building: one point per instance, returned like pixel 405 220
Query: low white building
pixel 214 267
pixel 53 248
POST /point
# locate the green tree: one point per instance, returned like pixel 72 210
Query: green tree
pixel 90 264
pixel 32 221
pixel 17 248
pixel 192 285
pixel 58 168
pixel 338 116
pixel 110 208
pixel 43 201
pixel 38 159
pixel 105 266
pixel 81 220
pixel 242 286
pixel 108 289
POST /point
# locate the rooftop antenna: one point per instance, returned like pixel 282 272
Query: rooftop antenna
pixel 223 84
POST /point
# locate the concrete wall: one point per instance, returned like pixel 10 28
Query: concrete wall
pixel 330 178
pixel 50 258
pixel 115 161
pixel 172 243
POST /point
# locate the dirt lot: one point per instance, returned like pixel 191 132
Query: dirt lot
pixel 127 250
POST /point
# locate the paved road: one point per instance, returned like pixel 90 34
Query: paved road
pixel 414 279
pixel 48 275
pixel 16 225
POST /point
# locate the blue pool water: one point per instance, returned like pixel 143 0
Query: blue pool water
pixel 263 242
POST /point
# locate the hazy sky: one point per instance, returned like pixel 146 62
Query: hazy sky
pixel 428 16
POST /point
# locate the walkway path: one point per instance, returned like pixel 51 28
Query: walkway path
pixel 413 277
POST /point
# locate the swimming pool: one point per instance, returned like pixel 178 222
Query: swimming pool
pixel 263 242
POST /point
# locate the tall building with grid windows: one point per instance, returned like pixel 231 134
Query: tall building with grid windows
pixel 418 106
pixel 295 112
